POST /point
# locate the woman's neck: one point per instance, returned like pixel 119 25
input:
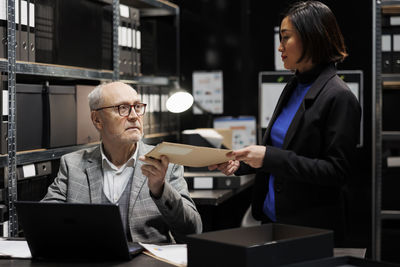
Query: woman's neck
pixel 311 74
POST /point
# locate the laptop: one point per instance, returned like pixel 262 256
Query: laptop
pixel 72 231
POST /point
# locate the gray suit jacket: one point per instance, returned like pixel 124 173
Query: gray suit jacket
pixel 80 180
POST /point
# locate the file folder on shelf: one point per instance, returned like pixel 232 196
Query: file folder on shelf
pixel 396 51
pixel 24 30
pixel 123 36
pixel 386 52
pixel 77 39
pixel 34 170
pixel 31 31
pixel 4 113
pixel 154 108
pixel 147 115
pixel 211 180
pixel 17 30
pixel 164 127
pixel 44 31
pixel 107 39
pixel 136 36
pixel 3 29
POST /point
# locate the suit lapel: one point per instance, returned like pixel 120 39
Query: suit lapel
pixel 287 91
pixel 138 178
pixel 95 176
pixel 309 98
pixel 298 117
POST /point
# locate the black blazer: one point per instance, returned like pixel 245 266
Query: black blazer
pixel 316 159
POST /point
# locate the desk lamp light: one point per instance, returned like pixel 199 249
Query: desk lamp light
pixel 179 100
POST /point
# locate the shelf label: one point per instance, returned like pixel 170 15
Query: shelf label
pixel 202 182
pixel 393 162
pixel 124 11
pixel 3 10
pixel 5 102
pixel 29 170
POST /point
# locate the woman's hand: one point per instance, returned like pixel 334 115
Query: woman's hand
pixel 251 155
pixel 228 168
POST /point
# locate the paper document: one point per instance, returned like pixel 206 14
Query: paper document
pixel 173 254
pixel 14 249
pixel 191 156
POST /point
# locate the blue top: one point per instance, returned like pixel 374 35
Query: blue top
pixel 278 133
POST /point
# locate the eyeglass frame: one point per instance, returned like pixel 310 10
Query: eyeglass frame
pixel 130 109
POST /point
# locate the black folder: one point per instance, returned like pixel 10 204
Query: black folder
pixel 154 109
pixel 3 34
pixel 395 50
pixel 3 117
pixel 135 22
pixel 146 118
pixel 386 51
pixel 17 29
pixel 125 54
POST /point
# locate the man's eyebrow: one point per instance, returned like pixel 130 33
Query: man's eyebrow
pixel 128 103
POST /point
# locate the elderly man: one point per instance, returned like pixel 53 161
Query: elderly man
pixel 152 194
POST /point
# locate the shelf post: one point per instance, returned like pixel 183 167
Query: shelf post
pixel 11 134
pixel 376 130
pixel 115 40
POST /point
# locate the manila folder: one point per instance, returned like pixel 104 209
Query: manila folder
pixel 191 156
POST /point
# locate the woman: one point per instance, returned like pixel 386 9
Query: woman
pixel 308 147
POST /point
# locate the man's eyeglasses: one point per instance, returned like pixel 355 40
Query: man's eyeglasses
pixel 124 110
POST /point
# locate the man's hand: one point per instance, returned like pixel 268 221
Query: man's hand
pixel 251 155
pixel 227 168
pixel 155 171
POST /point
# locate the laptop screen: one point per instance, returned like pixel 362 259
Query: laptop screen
pixel 73 230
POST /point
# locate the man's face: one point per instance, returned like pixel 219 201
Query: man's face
pixel 114 128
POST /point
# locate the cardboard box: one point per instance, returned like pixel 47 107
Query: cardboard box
pixel 62 116
pixel 29 116
pixel 85 130
pixel 265 245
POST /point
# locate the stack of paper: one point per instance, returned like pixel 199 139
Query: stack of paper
pixel 14 249
pixel 173 254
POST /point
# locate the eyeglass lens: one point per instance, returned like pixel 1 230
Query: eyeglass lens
pixel 125 110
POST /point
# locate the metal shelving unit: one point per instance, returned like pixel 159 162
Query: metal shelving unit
pixel 12 68
pixel 380 82
pixel 11 135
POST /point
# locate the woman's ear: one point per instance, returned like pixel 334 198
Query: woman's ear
pixel 97 122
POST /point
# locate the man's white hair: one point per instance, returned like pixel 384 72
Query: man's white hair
pixel 94 97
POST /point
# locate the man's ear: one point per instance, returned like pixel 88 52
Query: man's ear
pixel 97 122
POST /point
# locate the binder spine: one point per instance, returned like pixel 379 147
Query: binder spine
pixel 24 30
pixel 31 31
pixel 3 29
